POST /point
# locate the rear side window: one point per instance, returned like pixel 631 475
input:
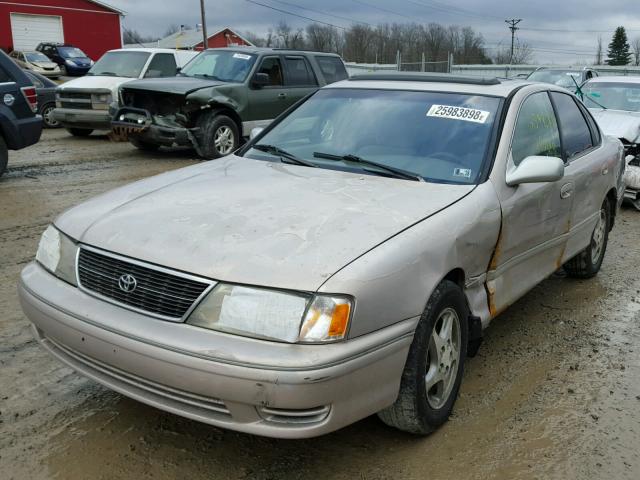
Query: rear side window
pixel 576 135
pixel 536 131
pixel 4 77
pixel 332 69
pixel 299 72
pixel 162 65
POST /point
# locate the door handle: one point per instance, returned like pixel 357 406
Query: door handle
pixel 282 95
pixel 567 190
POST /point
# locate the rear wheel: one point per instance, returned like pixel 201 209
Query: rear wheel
pixel 433 371
pixel 219 135
pixel 144 146
pixel 80 132
pixel 588 262
pixel 4 156
pixel 47 116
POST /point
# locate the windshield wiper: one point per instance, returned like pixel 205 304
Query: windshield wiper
pixel 206 75
pixel 285 157
pixel 395 172
pixel 597 103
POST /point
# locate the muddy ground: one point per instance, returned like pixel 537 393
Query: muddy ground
pixel 553 393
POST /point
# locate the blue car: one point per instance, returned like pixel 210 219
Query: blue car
pixel 72 60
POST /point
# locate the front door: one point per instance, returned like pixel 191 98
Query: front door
pixel 535 216
pixel 269 101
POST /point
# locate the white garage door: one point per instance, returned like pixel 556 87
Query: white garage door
pixel 29 30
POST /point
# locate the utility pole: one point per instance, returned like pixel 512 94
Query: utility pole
pixel 512 26
pixel 205 37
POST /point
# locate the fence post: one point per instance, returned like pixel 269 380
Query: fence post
pixel 449 62
pixel 423 66
pixel 398 60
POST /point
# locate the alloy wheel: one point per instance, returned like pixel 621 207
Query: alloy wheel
pixel 598 237
pixel 224 140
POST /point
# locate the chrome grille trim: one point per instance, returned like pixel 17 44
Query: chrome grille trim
pixel 294 416
pixel 161 293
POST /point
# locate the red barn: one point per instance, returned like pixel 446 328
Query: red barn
pixel 192 40
pixel 92 26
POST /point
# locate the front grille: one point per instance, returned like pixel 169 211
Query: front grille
pixel 77 106
pixel 294 416
pixel 157 292
pixel 76 96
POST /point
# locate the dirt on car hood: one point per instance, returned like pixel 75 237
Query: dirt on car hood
pixel 619 123
pixel 255 222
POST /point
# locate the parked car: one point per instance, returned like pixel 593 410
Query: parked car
pixel 220 96
pixel 615 103
pixel 46 95
pixel 344 262
pixel 569 78
pixel 19 124
pixel 88 103
pixel 71 60
pixel 37 62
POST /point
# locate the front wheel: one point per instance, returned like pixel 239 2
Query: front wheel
pixel 80 132
pixel 219 135
pixel 433 371
pixel 47 116
pixel 588 262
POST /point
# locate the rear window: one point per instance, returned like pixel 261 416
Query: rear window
pixel 4 77
pixel 299 71
pixel 332 68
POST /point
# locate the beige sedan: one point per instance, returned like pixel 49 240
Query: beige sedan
pixel 37 62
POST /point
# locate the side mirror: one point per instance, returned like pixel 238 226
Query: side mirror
pixel 260 80
pixel 536 169
pixel 255 132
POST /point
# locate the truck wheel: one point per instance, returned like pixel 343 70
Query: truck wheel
pixel 4 156
pixel 47 116
pixel 219 135
pixel 142 145
pixel 588 262
pixel 433 371
pixel 79 132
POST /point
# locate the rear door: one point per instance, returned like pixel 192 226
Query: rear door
pixel 585 167
pixel 535 216
pixel 299 78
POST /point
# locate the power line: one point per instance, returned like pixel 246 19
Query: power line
pixel 383 9
pixel 295 14
pixel 450 10
pixel 323 13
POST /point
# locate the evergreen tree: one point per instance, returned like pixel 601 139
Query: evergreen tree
pixel 619 53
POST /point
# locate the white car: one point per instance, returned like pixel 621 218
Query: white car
pixel 615 103
pixel 83 105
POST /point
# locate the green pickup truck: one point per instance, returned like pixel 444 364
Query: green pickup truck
pixel 220 96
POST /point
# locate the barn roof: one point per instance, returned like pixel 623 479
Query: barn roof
pixel 191 38
pixel 108 7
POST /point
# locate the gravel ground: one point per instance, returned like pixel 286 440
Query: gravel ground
pixel 553 393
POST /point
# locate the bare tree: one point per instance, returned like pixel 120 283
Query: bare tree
pixel 522 54
pixel 171 29
pixel 599 54
pixel 131 36
pixel 257 40
pixel 322 38
pixel 636 51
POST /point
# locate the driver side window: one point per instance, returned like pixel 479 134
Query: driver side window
pixel 536 131
pixel 271 66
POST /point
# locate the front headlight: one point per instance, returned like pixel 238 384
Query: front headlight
pixel 101 98
pixel 273 315
pixel 71 63
pixel 57 253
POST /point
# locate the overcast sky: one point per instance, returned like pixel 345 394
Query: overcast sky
pixel 562 31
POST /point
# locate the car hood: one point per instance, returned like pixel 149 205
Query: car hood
pixel 619 123
pixel 173 85
pixel 255 222
pixel 97 82
pixel 44 64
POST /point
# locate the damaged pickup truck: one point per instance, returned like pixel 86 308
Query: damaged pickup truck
pixel 615 104
pixel 219 97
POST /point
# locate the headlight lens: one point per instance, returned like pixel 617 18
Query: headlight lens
pixel 57 253
pixel 273 315
pixel 71 63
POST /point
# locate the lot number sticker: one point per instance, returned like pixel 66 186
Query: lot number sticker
pixel 458 113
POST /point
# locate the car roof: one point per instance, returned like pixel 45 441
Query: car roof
pixel 145 49
pixel 284 51
pixel 433 83
pixel 617 79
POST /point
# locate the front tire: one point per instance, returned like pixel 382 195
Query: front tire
pixel 80 132
pixel 4 156
pixel 433 371
pixel 47 116
pixel 219 135
pixel 588 262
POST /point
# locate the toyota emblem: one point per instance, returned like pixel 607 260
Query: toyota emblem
pixel 127 283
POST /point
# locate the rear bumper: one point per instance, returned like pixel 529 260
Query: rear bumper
pixel 306 390
pixel 21 133
pixel 76 118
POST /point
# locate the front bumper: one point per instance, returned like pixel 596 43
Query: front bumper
pixel 135 122
pixel 254 386
pixel 77 118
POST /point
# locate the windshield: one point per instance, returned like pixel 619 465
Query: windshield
pixel 120 64
pixel 613 95
pixel 224 65
pixel 441 137
pixel 37 57
pixel 562 78
pixel 71 52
